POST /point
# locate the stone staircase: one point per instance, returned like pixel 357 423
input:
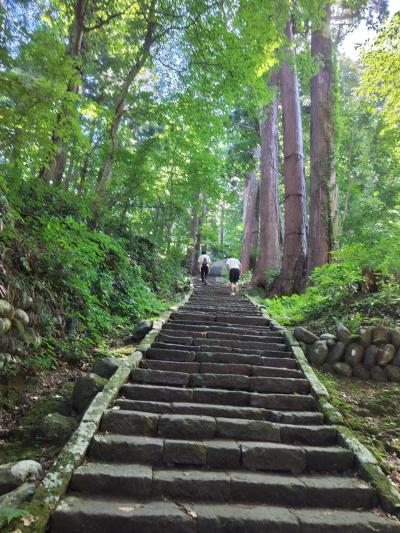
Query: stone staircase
pixel 217 432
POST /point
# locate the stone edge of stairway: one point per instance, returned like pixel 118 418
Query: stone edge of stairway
pixel 54 485
pixel 366 464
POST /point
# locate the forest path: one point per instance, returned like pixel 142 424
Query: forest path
pixel 217 432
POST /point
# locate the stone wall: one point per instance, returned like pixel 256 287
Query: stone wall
pixel 16 332
pixel 368 353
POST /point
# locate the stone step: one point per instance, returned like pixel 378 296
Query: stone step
pixel 205 344
pixel 275 401
pixel 261 342
pixel 221 381
pixel 224 328
pixel 225 318
pixel 214 310
pixel 105 515
pixel 216 453
pixel 142 481
pixel 193 353
pixel 227 411
pixel 188 426
pixel 220 368
pixel 255 360
pixel 186 337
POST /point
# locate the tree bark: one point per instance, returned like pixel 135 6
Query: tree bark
pixel 54 167
pixel 323 188
pixel 292 276
pixel 106 170
pixel 250 221
pixel 269 257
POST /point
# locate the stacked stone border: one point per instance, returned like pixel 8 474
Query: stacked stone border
pixel 366 464
pixel 54 485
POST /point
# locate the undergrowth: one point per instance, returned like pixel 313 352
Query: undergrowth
pixel 360 287
pixel 89 286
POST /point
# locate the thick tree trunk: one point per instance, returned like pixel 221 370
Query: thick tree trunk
pixel 53 168
pixel 250 221
pixel 106 170
pixel 292 276
pixel 269 258
pixel 323 188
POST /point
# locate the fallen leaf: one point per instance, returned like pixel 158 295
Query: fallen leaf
pixel 190 512
pixel 129 509
pixel 245 505
pixel 28 520
pixel 116 408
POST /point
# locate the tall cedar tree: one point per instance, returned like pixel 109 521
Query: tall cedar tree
pixel 323 189
pixel 292 276
pixel 269 258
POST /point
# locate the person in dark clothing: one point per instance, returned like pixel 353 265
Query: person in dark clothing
pixel 204 263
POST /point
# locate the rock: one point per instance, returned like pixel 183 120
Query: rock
pixel 6 309
pixel 67 390
pixel 26 302
pixel 385 355
pixel 342 332
pixel 336 353
pixel 362 372
pixel 4 359
pixel 27 469
pixel 302 334
pixel 56 427
pixel 395 337
pixel 12 475
pixel 392 373
pixel 380 335
pixel 364 336
pixel 354 354
pixel 330 343
pixel 106 366
pixel 86 388
pixel 16 498
pixel 378 375
pixel 370 356
pixel 5 325
pixel 396 360
pixel 303 346
pixel 317 353
pixel 327 337
pixel 343 369
pixel 326 367
pixel 22 317
pixel 141 330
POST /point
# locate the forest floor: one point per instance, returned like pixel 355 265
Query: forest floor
pixel 371 410
pixel 18 396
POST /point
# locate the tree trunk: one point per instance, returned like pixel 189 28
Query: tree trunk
pixel 106 170
pixel 250 221
pixel 323 188
pixel 269 257
pixel 292 276
pixel 193 232
pixel 55 165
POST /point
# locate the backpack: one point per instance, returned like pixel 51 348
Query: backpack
pixel 204 263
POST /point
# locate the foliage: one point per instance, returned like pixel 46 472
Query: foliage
pixel 381 74
pixel 334 284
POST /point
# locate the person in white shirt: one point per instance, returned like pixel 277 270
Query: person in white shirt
pixel 234 267
pixel 204 263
